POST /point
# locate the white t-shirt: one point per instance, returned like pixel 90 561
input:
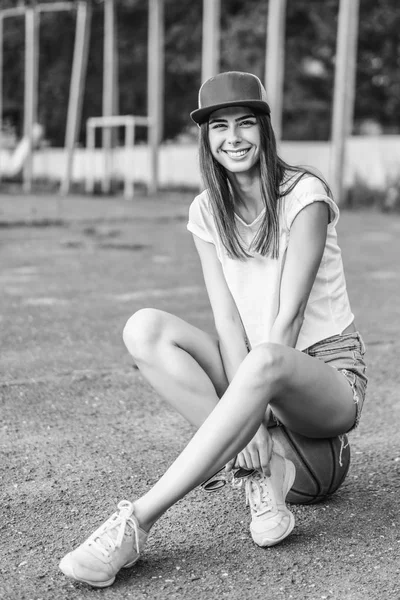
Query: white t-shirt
pixel 255 282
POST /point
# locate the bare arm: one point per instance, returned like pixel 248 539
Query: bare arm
pixel 227 321
pixel 303 258
pixel 233 349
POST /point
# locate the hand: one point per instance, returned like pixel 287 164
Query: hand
pixel 256 455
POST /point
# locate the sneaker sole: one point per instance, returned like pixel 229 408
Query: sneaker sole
pixel 68 570
pixel 264 542
pixel 260 539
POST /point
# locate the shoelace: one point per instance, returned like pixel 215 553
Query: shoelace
pixel 257 494
pixel 103 540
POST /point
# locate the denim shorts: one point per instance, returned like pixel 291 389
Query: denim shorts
pixel 346 354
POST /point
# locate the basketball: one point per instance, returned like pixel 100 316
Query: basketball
pixel 321 464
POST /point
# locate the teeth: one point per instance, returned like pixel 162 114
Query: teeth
pixel 236 153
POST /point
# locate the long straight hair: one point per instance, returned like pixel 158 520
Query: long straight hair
pixel 274 173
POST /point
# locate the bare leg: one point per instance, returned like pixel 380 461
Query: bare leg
pixel 182 363
pixel 292 382
pixel 270 374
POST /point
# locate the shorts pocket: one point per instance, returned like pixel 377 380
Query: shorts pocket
pixel 337 349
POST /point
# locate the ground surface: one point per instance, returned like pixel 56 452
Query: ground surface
pixel 81 430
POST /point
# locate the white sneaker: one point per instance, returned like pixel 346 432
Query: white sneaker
pixel 271 520
pixel 115 545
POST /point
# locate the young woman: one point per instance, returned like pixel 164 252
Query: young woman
pixel 286 344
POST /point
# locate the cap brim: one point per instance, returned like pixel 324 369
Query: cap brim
pixel 201 114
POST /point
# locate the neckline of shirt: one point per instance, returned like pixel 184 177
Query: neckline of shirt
pixel 253 222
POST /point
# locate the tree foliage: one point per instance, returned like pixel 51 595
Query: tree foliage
pixel 309 61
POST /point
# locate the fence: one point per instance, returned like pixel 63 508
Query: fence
pixel 373 159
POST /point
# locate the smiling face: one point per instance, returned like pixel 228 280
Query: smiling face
pixel 234 137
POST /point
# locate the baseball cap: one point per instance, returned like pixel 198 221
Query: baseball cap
pixel 232 88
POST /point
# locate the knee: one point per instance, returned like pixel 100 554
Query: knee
pixel 142 332
pixel 268 364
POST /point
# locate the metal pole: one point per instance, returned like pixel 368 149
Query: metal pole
pixel 31 71
pixel 90 146
pixel 13 12
pixel 155 86
pixel 115 84
pixel 275 62
pixel 55 6
pixel 211 39
pixel 109 77
pixel 79 65
pixel 31 92
pixel 129 144
pixel 1 87
pixel 344 90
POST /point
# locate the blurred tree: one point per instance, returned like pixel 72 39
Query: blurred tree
pixel 132 20
pixel 183 34
pixel 13 74
pixel 378 74
pixel 57 33
pixel 309 62
pixel 309 68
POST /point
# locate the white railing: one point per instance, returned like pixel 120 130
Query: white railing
pixel 129 122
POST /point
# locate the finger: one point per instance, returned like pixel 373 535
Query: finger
pixel 241 461
pixel 248 462
pixel 265 457
pixel 230 465
pixel 265 469
pixel 254 460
